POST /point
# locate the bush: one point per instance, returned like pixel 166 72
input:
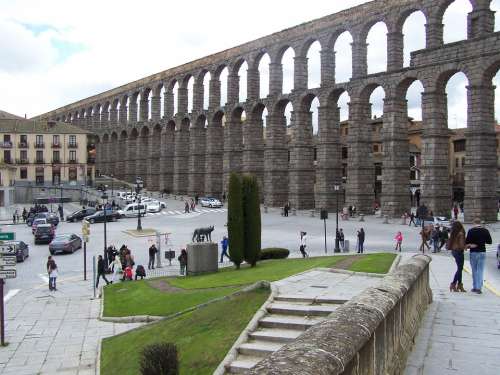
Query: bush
pixel 159 359
pixel 252 226
pixel 235 220
pixel 274 253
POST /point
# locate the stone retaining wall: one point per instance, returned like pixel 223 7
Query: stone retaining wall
pixel 371 334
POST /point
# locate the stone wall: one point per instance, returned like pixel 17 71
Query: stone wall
pixel 371 334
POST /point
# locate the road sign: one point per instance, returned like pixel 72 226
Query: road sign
pixel 7 274
pixel 7 260
pixel 7 249
pixel 7 236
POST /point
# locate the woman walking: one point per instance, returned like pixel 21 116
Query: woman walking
pixel 399 241
pixel 303 244
pixel 52 271
pixel 456 244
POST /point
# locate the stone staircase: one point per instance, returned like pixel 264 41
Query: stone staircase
pixel 286 319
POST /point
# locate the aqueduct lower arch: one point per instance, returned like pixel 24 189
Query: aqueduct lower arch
pixel 192 152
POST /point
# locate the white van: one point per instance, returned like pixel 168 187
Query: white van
pixel 132 210
pixel 122 194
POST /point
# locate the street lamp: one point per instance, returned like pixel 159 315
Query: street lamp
pixel 112 185
pixel 61 212
pixel 104 196
pixel 138 187
pixel 336 187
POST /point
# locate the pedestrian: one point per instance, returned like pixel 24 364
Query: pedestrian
pixel 399 241
pixel 341 239
pixel 456 244
pixel 443 237
pixel 110 254
pixel 192 205
pixel 476 239
pixel 117 267
pixel 224 244
pixel 152 255
pixel 61 212
pixel 303 244
pixel 412 220
pixel 455 211
pixel 25 215
pixel 196 199
pixel 101 271
pixel 14 215
pixel 425 234
pixel 183 261
pixel 186 207
pixel 52 272
pixel 435 238
pixel 223 197
pixel 140 272
pixel 361 241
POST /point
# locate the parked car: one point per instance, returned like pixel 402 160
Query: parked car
pixel 98 217
pixel 80 214
pixel 21 249
pixel 51 217
pixel 155 206
pixel 37 222
pixel 65 243
pixel 210 202
pixel 132 210
pixel 44 233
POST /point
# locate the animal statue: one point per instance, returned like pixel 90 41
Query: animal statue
pixel 201 233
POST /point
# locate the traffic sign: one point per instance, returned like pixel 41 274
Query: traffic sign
pixel 7 249
pixel 7 260
pixel 7 274
pixel 7 236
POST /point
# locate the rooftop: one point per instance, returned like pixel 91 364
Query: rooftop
pixel 21 125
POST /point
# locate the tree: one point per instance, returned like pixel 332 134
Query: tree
pixel 235 220
pixel 252 224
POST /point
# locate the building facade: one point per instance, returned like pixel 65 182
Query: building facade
pixel 188 151
pixel 45 153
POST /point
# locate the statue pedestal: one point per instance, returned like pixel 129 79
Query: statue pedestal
pixel 203 257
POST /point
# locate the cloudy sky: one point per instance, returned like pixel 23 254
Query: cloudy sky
pixel 55 52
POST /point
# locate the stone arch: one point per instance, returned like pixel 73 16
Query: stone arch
pixel 187 92
pixel 197 146
pixel 415 20
pixel 312 62
pixel 343 58
pixel 451 35
pixel 239 80
pixel 377 56
pixel 263 72
pixel 204 77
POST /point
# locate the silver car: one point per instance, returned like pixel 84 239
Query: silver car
pixel 65 243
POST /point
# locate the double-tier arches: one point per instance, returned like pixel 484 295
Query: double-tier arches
pixel 197 146
pixel 214 154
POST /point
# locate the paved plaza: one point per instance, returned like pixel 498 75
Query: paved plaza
pixel 60 331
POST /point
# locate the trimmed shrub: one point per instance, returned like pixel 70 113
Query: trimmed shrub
pixel 252 224
pixel 235 220
pixel 274 253
pixel 159 359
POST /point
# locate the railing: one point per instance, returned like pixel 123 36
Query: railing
pixel 7 161
pixel 39 161
pixel 72 161
pixel 56 161
pixel 22 161
pixel 6 144
pixel 40 145
pixel 23 145
pixel 56 145
pixel 73 145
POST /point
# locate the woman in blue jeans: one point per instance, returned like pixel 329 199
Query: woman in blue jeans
pixel 456 243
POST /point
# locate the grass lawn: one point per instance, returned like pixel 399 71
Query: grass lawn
pixel 139 298
pixel 202 337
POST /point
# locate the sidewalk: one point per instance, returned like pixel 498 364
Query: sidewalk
pixel 460 333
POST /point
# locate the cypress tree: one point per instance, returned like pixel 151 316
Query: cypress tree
pixel 252 224
pixel 235 223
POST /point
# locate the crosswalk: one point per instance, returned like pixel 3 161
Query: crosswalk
pixel 193 213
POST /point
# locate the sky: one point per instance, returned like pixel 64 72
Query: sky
pixel 55 52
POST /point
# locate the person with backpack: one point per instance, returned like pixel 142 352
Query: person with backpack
pixel 303 244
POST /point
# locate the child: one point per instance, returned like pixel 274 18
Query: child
pixel 127 275
pixel 399 241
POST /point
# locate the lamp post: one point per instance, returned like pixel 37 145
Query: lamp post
pixel 138 187
pixel 104 196
pixel 61 212
pixel 336 187
pixel 112 186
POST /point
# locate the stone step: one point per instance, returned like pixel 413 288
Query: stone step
pixel 259 348
pixel 276 335
pixel 242 364
pixel 304 299
pixel 300 309
pixel 289 321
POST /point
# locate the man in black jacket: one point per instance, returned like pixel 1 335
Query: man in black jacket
pixel 101 268
pixel 476 239
pixel 152 254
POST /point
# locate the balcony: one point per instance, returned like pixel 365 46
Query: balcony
pixel 39 161
pixel 22 161
pixel 56 145
pixel 40 145
pixel 6 144
pixel 56 161
pixel 73 145
pixel 7 161
pixel 23 145
pixel 72 161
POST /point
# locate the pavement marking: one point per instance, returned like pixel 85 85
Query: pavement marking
pixel 10 294
pixel 171 212
pixel 164 213
pixel 488 286
pixel 178 212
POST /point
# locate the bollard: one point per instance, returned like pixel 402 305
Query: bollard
pixel 294 212
pixel 265 209
pixel 312 213
pixel 386 219
pixel 361 218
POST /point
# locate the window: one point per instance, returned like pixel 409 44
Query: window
pixel 6 140
pixel 23 138
pixel 24 156
pixel 459 146
pixel 55 140
pixel 72 140
pixel 315 154
pixel 457 162
pixel 39 141
pixel 375 148
pixel 55 157
pixel 346 131
pixel 40 176
pixel 344 152
pixel 463 162
pixel 23 173
pixel 6 157
pixel 72 174
pixel 72 156
pixel 39 156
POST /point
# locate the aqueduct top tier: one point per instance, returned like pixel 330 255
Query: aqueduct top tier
pixel 192 151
